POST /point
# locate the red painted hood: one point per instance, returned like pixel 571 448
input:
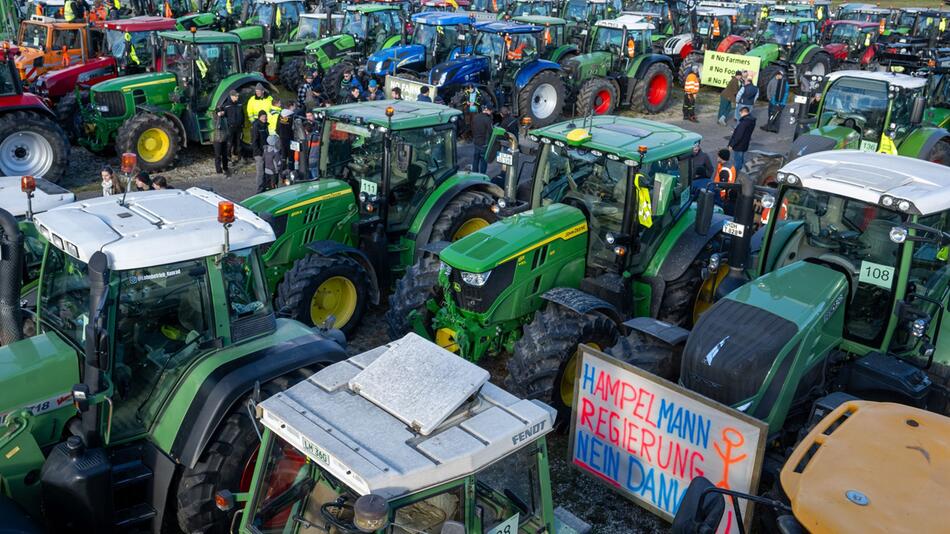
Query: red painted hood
pixel 837 50
pixel 60 82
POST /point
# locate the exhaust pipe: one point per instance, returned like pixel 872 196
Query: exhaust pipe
pixel 11 275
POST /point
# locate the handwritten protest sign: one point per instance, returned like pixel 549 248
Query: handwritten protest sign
pixel 647 437
pixel 719 67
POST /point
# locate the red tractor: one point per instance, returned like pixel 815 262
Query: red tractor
pixel 31 143
pixel 851 44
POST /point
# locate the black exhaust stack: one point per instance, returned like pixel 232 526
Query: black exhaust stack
pixel 11 275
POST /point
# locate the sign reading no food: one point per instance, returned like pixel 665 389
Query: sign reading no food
pixel 719 67
pixel 648 438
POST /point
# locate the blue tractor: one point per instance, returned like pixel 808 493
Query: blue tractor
pixel 437 36
pixel 506 66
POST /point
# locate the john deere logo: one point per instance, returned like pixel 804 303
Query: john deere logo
pixel 456 287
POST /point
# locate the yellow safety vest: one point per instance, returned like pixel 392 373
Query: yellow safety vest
pixel 68 12
pixel 132 55
pixel 202 67
pixel 255 105
pixel 644 206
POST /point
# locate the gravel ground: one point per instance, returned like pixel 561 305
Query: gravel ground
pixel 606 511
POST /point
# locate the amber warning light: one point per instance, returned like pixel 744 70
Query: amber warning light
pixel 225 212
pixel 129 159
pixel 28 184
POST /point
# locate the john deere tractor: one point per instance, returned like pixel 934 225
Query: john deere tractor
pixel 436 36
pixel 132 401
pixel 609 235
pixel 790 45
pixel 620 70
pixel 269 36
pixel 389 185
pixel 872 111
pixel 155 115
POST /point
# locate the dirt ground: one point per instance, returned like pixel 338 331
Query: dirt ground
pixel 606 511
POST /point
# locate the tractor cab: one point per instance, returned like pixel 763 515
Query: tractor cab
pixel 925 28
pixel 866 14
pixel 657 12
pixel 200 62
pixel 624 37
pixel 47 44
pixel 554 38
pixel 350 451
pixel 129 41
pixel 807 11
pixel 749 15
pixel 539 8
pixel 789 32
pixel 850 43
pixel 277 19
pixel 581 15
pixel 436 37
pixel 223 15
pixel 366 28
pixel 496 7
pixel 313 26
pixel 506 45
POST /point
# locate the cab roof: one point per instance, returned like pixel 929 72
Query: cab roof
pixel 858 23
pixel 442 18
pixel 868 176
pixel 791 20
pixel 201 37
pixel 407 114
pixel 626 21
pixel 540 20
pixel 373 8
pixel 903 81
pixel 624 135
pixel 153 228
pixel 47 196
pixel 505 26
pixel 404 417
pixel 140 24
pixel 710 11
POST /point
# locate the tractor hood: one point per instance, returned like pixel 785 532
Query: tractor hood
pixel 136 80
pixel 24 60
pixel 326 42
pixel 58 83
pixel 587 66
pixel 251 33
pixel 457 71
pixel 513 237
pixel 838 51
pixel 676 45
pixel 824 138
pixel 390 60
pixel 37 373
pixel 768 53
pixel 296 198
pixel 939 117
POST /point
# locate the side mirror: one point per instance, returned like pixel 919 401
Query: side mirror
pixel 700 510
pixel 917 113
pixel 705 202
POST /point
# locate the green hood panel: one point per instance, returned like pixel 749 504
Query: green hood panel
pixel 37 369
pixel 768 53
pixel 148 81
pixel 341 42
pixel 938 117
pixel 801 292
pixel 591 65
pixel 289 199
pixel 513 237
pixel 293 47
pixel 844 137
pixel 249 33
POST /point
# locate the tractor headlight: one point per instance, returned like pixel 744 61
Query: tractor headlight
pixel 102 109
pixel 898 234
pixel 919 327
pixel 903 205
pixel 444 76
pixel 445 268
pixel 610 238
pixel 768 201
pixel 791 179
pixel 887 201
pixel 715 260
pixel 476 279
pixel 502 203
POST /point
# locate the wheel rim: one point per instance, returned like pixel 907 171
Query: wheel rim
pixel 26 153
pixel 468 227
pixel 706 296
pixel 602 102
pixel 445 338
pixel 153 145
pixel 566 387
pixel 336 296
pixel 818 68
pixel 543 101
pixel 657 90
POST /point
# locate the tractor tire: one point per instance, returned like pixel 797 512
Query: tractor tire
pixel 597 95
pixel 153 138
pixel 940 153
pixel 254 62
pixel 319 286
pixel 466 213
pixel 412 292
pixel 766 75
pixel 762 169
pixel 67 115
pixel 676 305
pixel 939 399
pixel 542 364
pixel 291 73
pixel 32 144
pixel 652 92
pixel 650 354
pixel 331 81
pixel 692 61
pixel 225 464
pixel 542 99
pixel 820 63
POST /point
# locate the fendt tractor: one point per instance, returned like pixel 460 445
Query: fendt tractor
pixel 154 115
pixel 389 185
pixel 609 236
pixel 714 30
pixel 871 111
pixel 848 296
pixel 790 45
pixel 131 403
pixel 355 450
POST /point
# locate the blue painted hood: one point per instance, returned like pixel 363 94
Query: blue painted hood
pixel 462 69
pixel 389 60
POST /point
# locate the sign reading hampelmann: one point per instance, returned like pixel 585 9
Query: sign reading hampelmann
pixel 648 438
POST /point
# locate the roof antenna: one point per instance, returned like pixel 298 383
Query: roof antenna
pixel 129 160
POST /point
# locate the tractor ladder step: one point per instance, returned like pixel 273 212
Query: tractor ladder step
pixel 130 473
pixel 133 515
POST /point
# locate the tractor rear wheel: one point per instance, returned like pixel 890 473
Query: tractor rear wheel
pixel 544 363
pixel 254 62
pixel 32 144
pixel 317 287
pixel 417 287
pixel 940 153
pixel 691 62
pixel 153 138
pixel 291 73
pixel 649 353
pixel 598 95
pixel 467 213
pixel 762 169
pixel 679 297
pixel 652 92
pixel 542 99
pixel 67 115
pixel 820 64
pixel 331 82
pixel 766 75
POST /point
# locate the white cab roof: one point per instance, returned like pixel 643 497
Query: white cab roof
pixel 321 16
pixel 153 228
pixel 404 417
pixel 867 176
pixel 893 78
pixel 714 11
pixel 47 196
pixel 630 22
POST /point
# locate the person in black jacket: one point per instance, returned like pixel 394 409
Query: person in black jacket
pixel 234 113
pixel 481 132
pixel 741 137
pixel 259 133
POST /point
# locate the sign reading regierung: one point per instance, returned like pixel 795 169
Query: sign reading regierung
pixel 647 437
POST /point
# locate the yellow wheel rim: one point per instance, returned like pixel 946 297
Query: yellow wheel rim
pixel 706 296
pixel 336 296
pixel 153 145
pixel 470 226
pixel 445 338
pixel 570 375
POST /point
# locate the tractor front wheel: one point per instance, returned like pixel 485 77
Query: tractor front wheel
pixel 68 117
pixel 940 153
pixel 291 73
pixel 467 213
pixel 544 363
pixel 153 138
pixel 598 95
pixel 31 144
pixel 653 91
pixel 650 354
pixel 317 287
pixel 543 98
pixel 413 291
pixel 819 64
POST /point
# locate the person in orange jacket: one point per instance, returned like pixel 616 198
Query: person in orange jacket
pixel 690 90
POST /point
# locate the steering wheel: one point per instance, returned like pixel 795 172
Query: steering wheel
pixel 333 519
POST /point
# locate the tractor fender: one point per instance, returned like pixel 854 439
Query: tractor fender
pixel 581 302
pixel 25 102
pixel 809 53
pixel 176 120
pixel 238 82
pixel 562 51
pixel 731 40
pixel 532 69
pixel 687 247
pixel 670 334
pixel 333 248
pixel 422 236
pixel 435 247
pixel 638 69
pixel 227 384
pixel 919 143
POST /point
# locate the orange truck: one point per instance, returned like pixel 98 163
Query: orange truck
pixel 48 44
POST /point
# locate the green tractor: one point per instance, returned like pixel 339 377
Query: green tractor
pixel 666 21
pixel 216 15
pixel 286 60
pixel 132 401
pixel 389 185
pixel 367 28
pixel 609 236
pixel 620 70
pixel 154 115
pixel 873 111
pixel 848 296
pixel 790 45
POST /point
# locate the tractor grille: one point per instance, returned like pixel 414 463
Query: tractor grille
pixel 115 100
pixel 479 299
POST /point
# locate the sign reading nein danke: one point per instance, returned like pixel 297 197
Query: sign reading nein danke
pixel 648 438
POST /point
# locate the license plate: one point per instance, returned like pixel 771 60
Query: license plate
pixel 295 146
pixel 801 99
pixel 504 158
pixel 321 456
pixel 733 228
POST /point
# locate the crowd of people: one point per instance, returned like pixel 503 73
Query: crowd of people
pixel 112 184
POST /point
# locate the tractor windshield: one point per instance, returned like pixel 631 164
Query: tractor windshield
pixel 33 36
pixel 857 103
pixel 212 62
pixel 352 152
pixel 708 26
pixel 652 6
pixel 64 294
pixel 849 236
pixel 354 23
pixel 848 34
pixel 543 9
pixel 510 47
pixel 578 10
pixel 8 84
pixel 312 28
pixel 421 160
pixel 118 47
pixel 440 39
pixel 225 8
pixel 781 33
pixel 907 19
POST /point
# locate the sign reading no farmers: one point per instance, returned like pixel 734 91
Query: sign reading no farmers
pixel 648 438
pixel 719 67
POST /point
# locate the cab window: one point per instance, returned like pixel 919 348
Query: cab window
pixel 510 487
pixel 70 39
pixel 421 160
pixel 244 285
pixel 429 515
pixel 929 277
